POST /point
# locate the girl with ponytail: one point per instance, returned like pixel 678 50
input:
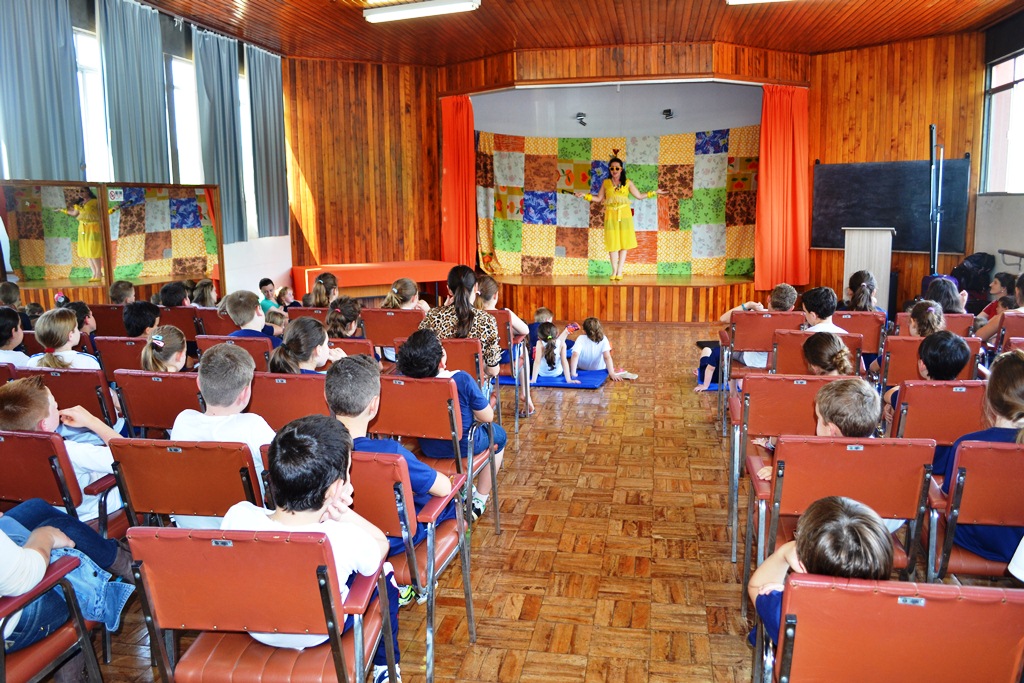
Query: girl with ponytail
pixel 405 294
pixel 164 350
pixel 57 331
pixel 550 359
pixel 860 294
pixel 460 319
pixel 325 289
pixel 826 354
pixel 304 348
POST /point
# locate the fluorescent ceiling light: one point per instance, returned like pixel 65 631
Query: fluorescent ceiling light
pixel 414 10
pixel 751 2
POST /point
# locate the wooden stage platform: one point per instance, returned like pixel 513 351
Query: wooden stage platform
pixel 637 298
pixel 80 289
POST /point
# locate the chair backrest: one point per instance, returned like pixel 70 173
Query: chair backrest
pixel 280 398
pixel 870 324
pixel 8 372
pixel 183 477
pixel 182 317
pixel 208 321
pixel 1014 343
pixel 152 400
pixel 70 387
pixel 36 465
pixel 788 351
pixel 375 477
pixel 1012 326
pixel 870 621
pixel 109 319
pixel 32 345
pixel 899 362
pixel 993 480
pixel 887 475
pixel 504 320
pixel 754 330
pixel 780 404
pixel 352 347
pixel 319 313
pixel 943 411
pixel 957 323
pixel 466 355
pixel 423 408
pixel 384 325
pixel 193 579
pixel 257 347
pixel 119 353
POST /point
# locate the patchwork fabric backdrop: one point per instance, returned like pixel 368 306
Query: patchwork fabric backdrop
pixel 159 232
pixel 530 223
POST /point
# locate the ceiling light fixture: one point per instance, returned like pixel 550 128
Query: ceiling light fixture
pixel 415 10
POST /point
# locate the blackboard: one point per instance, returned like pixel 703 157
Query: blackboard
pixel 889 194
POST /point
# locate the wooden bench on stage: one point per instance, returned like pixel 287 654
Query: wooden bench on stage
pixel 371 279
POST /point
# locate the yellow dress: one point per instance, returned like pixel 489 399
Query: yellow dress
pixel 618 218
pixel 90 236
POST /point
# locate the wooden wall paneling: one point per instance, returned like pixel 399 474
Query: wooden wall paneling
pixel 363 161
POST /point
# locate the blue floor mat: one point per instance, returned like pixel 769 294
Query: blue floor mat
pixel 589 379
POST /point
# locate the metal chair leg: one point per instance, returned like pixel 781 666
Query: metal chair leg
pixel 734 486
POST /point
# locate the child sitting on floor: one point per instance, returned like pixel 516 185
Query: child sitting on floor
pixel 549 357
pixel 593 351
pixel 834 537
pixel 310 463
pixel 421 356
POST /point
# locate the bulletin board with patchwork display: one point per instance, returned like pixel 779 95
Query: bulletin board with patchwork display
pixel 155 231
pixel 529 222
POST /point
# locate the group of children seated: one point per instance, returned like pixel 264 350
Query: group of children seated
pixel 841 537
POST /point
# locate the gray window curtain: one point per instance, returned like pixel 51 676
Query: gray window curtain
pixel 133 76
pixel 40 118
pixel 220 126
pixel 266 101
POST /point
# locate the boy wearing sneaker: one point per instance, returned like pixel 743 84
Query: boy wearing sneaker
pixel 423 356
pixel 352 390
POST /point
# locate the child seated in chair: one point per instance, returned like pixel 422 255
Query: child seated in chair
pixel 310 462
pixel 244 310
pixel 225 381
pixel 819 305
pixel 423 356
pixel 11 336
pixel 27 405
pixel 834 537
pixel 140 317
pixel 352 391
pixel 941 357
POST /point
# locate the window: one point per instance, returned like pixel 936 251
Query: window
pixel 1004 106
pixel 248 173
pixel 98 165
pixel 183 122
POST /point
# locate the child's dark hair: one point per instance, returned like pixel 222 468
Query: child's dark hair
pixel 863 286
pixel 10 294
pixel 173 294
pixel 402 291
pixel 1008 302
pixel 616 160
pixel 546 333
pixel 120 290
pixel 594 331
pixel 820 301
pixel 1006 281
pixel 307 456
pixel 841 537
pixel 344 311
pixel 944 292
pixel 944 355
pixel 163 344
pixel 420 355
pixel 81 310
pixel 461 281
pixel 323 289
pixel 266 281
pixel 827 352
pixel 351 384
pixel 33 310
pixel 928 317
pixel 138 316
pixel 9 322
pixel 301 337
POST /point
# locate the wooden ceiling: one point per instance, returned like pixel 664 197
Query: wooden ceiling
pixel 336 28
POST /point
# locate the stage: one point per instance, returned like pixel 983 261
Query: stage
pixel 79 289
pixel 637 298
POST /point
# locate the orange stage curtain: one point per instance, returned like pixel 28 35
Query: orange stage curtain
pixel 458 181
pixel 783 235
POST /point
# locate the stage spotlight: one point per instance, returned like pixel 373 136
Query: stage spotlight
pixel 581 118
pixel 668 114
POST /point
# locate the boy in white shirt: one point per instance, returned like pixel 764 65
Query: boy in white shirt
pixel 310 464
pixel 819 304
pixel 27 405
pixel 225 381
pixel 11 336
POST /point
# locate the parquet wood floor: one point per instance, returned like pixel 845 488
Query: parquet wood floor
pixel 613 561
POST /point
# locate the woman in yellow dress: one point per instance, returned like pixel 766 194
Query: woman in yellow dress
pixel 619 236
pixel 90 236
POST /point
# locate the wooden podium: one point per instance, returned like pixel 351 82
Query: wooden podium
pixel 869 249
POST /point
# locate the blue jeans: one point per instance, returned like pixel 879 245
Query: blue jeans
pixel 398 545
pixel 35 513
pixel 39 619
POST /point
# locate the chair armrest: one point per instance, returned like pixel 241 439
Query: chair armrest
pixel 104 483
pixel 54 573
pixel 761 488
pixel 360 592
pixel 433 509
pixel 937 500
